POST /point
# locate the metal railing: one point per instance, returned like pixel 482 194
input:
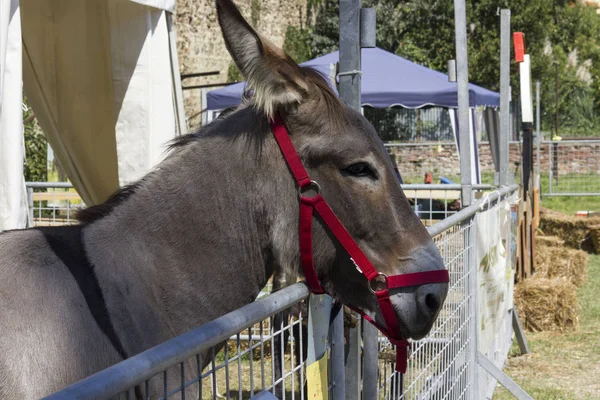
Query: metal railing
pixel 443 365
pixel 52 203
pixel 55 203
pixel 570 168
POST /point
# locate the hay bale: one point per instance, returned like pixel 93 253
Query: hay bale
pixel 547 304
pixel 561 262
pixel 575 231
pixel 548 241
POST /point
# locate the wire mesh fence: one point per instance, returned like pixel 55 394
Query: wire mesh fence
pixel 440 364
pixel 570 168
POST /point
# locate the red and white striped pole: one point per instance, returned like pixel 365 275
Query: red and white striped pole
pixel 526 108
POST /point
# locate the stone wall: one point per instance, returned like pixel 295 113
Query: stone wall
pixel 201 48
pixel 441 159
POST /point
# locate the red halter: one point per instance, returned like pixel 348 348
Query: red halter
pixel 318 203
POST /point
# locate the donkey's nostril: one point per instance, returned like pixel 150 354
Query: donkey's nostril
pixel 432 302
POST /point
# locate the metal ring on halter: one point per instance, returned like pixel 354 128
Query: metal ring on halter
pixel 378 275
pixel 314 186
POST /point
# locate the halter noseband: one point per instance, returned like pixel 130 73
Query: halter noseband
pixel 309 204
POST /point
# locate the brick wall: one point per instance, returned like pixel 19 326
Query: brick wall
pixel 441 159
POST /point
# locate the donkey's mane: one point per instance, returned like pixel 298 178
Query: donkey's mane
pixel 94 213
pixel 334 111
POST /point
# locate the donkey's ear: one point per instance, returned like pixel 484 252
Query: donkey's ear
pixel 276 79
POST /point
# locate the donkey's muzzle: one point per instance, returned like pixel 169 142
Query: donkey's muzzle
pixel 418 307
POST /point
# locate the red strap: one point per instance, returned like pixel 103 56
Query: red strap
pixel 342 235
pixel 306 255
pixel 289 153
pixel 418 278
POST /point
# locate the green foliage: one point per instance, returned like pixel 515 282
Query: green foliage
pixel 234 74
pixel 297 43
pixel 36 150
pixel 255 13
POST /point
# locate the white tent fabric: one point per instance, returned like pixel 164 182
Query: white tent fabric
pixel 13 203
pixel 99 77
pixel 473 145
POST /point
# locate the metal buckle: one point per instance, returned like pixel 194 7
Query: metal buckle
pixel 384 282
pixel 312 189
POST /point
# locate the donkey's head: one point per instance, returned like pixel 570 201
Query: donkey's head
pixel 344 154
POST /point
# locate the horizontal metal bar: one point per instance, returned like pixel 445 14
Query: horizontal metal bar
pixel 556 194
pixel 570 142
pixel 468 212
pixel 434 143
pixel 441 186
pixel 135 370
pixel 49 185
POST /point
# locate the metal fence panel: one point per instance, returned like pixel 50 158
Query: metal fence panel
pixel 570 168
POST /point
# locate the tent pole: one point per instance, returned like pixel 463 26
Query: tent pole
pixel 179 109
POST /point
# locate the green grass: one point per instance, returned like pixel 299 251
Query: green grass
pixel 564 366
pixel 570 205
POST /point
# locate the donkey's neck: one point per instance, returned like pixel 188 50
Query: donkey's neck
pixel 195 239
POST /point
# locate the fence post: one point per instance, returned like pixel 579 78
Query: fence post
pixel 462 75
pixel 504 97
pixel 319 312
pixel 349 89
pixel 337 355
pixel 370 350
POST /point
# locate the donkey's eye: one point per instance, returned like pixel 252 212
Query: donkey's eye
pixel 360 169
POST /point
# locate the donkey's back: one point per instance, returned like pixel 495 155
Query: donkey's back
pixel 50 336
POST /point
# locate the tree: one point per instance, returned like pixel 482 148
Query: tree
pixel 36 149
pixel 423 32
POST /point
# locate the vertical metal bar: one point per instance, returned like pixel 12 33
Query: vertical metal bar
pixel 504 96
pixel 282 348
pixel 353 361
pixel 213 372
pixel 239 362
pixel 462 74
pixel 350 52
pixel 182 372
pixel 251 360
pixel 165 387
pixel 262 357
pixel 538 134
pixel 550 166
pixel 204 101
pixel 350 92
pixel 199 369
pixel 370 351
pixel 30 204
pixel 301 319
pixel 226 350
pixel 337 355
pixel 471 267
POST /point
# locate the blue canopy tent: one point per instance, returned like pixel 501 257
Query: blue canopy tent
pixel 392 81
